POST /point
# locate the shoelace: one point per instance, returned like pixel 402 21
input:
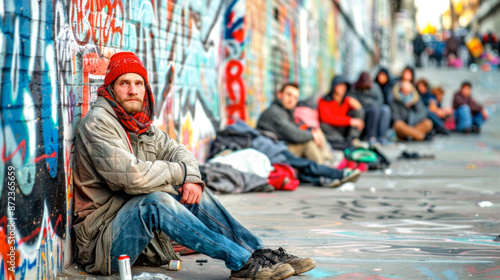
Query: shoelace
pixel 283 254
pixel 263 260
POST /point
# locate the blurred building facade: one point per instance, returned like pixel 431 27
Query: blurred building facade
pixel 209 62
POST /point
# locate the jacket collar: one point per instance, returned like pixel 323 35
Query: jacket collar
pixel 397 94
pixel 103 103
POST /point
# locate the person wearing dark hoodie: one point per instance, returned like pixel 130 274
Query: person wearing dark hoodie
pixel 278 119
pixel 377 114
pixel 408 74
pixel 384 81
pixel 341 116
pixel 409 115
pixel 430 101
pixel 469 114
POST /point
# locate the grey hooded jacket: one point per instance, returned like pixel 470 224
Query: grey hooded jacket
pixel 107 174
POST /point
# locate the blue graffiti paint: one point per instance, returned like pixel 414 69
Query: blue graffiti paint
pixel 450 275
pixel 428 273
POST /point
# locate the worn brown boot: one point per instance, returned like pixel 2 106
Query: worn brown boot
pixel 260 267
pixel 300 265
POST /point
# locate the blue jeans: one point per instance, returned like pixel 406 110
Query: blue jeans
pixel 464 118
pixel 437 122
pixel 378 120
pixel 206 228
pixel 310 171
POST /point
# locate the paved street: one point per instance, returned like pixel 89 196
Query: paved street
pixel 419 219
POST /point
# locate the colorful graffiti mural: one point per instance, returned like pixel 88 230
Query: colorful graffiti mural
pixel 208 61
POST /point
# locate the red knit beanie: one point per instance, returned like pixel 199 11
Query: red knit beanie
pixel 122 63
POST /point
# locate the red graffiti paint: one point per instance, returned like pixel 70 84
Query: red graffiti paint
pixel 21 146
pixel 235 87
pixel 473 270
pixel 5 250
pixel 101 16
pixel 52 155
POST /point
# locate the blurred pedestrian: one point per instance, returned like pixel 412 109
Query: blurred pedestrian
pixel 452 44
pixel 429 100
pixel 384 80
pixel 278 119
pixel 418 48
pixel 408 74
pixel 409 115
pixel 377 114
pixel 436 107
pixel 469 114
pixel 341 116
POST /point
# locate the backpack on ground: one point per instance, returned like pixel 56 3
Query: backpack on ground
pixel 283 177
pixel 230 140
pixel 372 157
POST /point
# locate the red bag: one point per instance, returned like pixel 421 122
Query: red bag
pixel 283 177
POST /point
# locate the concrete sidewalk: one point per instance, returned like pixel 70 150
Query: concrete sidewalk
pixel 420 219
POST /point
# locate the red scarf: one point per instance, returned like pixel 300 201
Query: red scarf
pixel 138 123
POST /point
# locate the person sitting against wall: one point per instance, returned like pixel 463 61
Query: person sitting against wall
pixel 434 113
pixel 135 188
pixel 384 81
pixel 469 114
pixel 409 114
pixel 341 116
pixel 377 114
pixel 278 120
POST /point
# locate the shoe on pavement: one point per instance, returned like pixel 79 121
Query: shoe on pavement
pixel 260 267
pixel 349 176
pixel 300 265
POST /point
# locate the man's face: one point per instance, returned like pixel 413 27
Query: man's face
pixel 422 88
pixel 406 88
pixel 382 78
pixel 289 97
pixel 129 91
pixel 466 91
pixel 407 75
pixel 340 90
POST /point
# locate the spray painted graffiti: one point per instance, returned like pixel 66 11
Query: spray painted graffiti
pixel 207 60
pixel 51 85
pixel 234 35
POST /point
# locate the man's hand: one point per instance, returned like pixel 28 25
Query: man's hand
pixel 357 123
pixel 317 136
pixel 355 104
pixel 191 193
pixel 485 114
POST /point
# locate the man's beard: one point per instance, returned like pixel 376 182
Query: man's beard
pixel 132 107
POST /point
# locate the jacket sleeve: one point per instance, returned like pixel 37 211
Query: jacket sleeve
pixel 420 111
pixel 172 151
pixel 475 107
pixel 112 159
pixel 328 116
pixel 377 94
pixel 458 100
pixel 395 112
pixel 289 131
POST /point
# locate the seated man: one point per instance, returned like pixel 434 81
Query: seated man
pixel 434 113
pixel 341 116
pixel 409 114
pixel 135 187
pixel 377 114
pixel 278 119
pixel 469 114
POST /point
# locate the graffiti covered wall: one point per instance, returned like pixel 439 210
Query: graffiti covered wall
pixel 208 61
pixel 54 55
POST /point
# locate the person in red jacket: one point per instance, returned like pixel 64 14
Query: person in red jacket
pixel 341 116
